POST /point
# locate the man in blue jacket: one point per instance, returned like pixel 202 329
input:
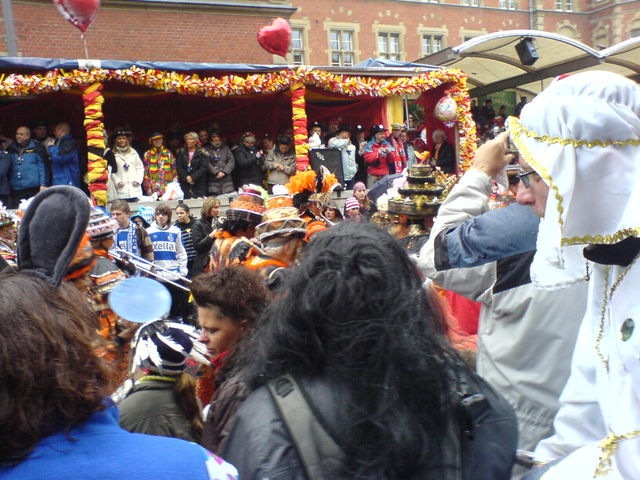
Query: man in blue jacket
pixel 64 157
pixel 27 176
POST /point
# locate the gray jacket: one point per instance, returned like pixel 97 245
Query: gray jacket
pixel 220 161
pixel 275 176
pixel 525 336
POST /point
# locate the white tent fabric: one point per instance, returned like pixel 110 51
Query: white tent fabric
pixel 492 63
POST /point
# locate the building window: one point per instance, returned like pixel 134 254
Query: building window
pixel 565 5
pixel 389 45
pixel 342 51
pixel 471 3
pixel 509 4
pixel 431 44
pixel 297 46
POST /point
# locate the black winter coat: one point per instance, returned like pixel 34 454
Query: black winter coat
pixel 260 445
pixel 197 170
pixel 248 167
pixel 202 243
pixel 446 158
pixel 5 165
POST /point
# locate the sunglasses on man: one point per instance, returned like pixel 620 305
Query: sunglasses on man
pixel 524 178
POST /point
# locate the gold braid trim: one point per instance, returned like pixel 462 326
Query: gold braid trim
pixel 575 143
pixel 608 239
pixel 516 131
pixel 608 447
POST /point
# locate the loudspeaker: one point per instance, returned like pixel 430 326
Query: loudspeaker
pixel 330 158
pixel 527 52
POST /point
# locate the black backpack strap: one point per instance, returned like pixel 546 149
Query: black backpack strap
pixel 315 446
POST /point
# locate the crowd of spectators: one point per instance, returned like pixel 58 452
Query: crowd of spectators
pixel 206 161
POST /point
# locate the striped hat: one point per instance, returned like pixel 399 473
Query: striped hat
pixel 248 205
pixel 351 202
pixel 280 218
pixel 101 225
pixel 164 347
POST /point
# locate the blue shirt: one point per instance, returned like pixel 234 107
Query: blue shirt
pixel 100 450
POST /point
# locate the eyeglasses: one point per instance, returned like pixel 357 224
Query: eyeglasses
pixel 524 178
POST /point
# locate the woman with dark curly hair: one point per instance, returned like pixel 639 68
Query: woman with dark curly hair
pixel 229 303
pixel 54 420
pixel 353 325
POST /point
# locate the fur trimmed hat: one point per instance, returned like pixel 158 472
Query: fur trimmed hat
pixel 51 231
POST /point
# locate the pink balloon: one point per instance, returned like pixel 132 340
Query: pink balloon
pixel 80 13
pixel 446 109
pixel 275 38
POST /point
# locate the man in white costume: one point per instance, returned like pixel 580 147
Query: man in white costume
pixel 580 142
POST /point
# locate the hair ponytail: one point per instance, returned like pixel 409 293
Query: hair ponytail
pixel 185 393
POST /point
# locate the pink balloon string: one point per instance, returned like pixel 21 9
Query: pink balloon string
pixel 83 36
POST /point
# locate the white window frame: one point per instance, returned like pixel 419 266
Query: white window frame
pixel 298 51
pixel 430 43
pixel 384 37
pixel 340 51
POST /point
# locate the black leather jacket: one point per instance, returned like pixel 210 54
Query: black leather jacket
pixel 260 446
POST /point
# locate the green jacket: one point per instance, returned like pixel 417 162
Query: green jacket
pixel 151 408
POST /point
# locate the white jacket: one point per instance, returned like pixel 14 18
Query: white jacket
pixel 525 335
pixel 348 151
pixel 597 403
pixel 134 172
pixel 168 250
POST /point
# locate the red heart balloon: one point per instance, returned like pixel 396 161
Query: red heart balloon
pixel 80 13
pixel 275 38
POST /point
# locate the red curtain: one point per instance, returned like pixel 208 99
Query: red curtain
pixel 146 111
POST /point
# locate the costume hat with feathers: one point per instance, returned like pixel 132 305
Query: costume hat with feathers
pixel 308 185
pixel 164 347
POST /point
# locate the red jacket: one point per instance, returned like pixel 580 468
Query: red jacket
pixel 378 156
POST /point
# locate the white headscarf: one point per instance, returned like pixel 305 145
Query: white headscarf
pixel 582 135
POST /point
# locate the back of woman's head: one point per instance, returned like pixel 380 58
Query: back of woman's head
pixel 354 287
pixel 355 313
pixel 235 226
pixel 51 379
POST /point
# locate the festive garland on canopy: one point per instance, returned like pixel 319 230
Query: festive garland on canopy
pixel 300 134
pixel 261 83
pixel 97 174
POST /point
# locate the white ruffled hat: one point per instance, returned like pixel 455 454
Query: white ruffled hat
pixel 582 135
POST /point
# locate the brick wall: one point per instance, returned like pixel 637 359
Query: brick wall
pixel 142 33
pixel 126 30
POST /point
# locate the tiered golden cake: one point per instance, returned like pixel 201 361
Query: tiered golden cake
pixel 421 196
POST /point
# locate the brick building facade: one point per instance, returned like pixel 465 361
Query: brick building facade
pixel 332 32
pixel 325 32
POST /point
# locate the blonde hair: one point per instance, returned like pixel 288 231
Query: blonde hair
pixel 192 135
pixel 207 205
